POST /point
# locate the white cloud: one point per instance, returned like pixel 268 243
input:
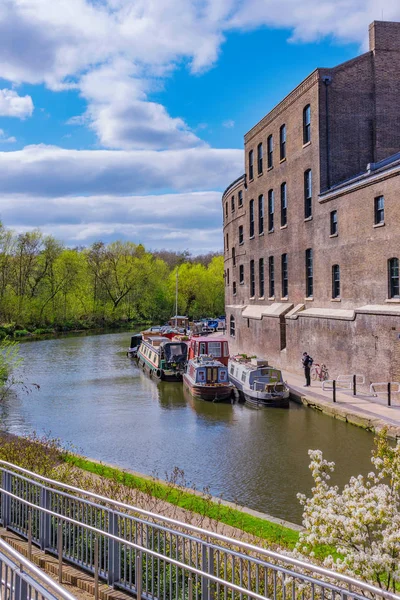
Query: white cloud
pixel 6 140
pixel 53 171
pixel 176 221
pixel 12 105
pixel 228 124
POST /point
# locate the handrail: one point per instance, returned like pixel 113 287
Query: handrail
pixel 42 577
pixel 203 532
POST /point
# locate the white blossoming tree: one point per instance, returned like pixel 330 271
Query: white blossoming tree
pixel 362 522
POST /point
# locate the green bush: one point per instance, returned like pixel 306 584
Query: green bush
pixel 21 333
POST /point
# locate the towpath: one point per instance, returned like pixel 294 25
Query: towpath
pixel 364 410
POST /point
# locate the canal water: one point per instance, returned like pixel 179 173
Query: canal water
pixel 93 396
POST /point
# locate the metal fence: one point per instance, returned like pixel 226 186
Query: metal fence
pixel 21 580
pixel 155 557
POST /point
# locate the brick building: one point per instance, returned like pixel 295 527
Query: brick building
pixel 312 229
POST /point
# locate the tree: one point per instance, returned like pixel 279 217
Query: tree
pixel 362 522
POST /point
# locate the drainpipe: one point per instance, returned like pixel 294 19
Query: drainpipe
pixel 327 79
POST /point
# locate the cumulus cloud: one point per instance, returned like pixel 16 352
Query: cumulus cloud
pixel 125 45
pixel 12 105
pixel 52 171
pixel 4 139
pixel 175 221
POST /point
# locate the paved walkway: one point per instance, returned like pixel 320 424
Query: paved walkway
pixel 364 410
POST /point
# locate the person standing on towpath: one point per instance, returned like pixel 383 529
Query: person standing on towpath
pixel 307 362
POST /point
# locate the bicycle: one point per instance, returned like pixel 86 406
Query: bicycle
pixel 319 372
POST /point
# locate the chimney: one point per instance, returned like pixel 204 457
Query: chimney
pixel 384 35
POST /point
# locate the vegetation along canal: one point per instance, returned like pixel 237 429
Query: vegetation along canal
pixel 93 396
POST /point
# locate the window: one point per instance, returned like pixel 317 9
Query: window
pixel 309 273
pixel 394 283
pixel 233 289
pixel 284 275
pixel 260 214
pixel 252 280
pixel 270 151
pixel 227 243
pixel 251 218
pixel 214 348
pixel 240 234
pixel 283 204
pixel 271 210
pixel 334 223
pixel 251 171
pixel 233 257
pixel 335 281
pixel 233 203
pixel 307 124
pixel 271 277
pixel 282 142
pixel 307 194
pixel 241 274
pixel 227 277
pixel 259 159
pixel 232 326
pixel 379 210
pixel 226 210
pixel 240 198
pixel 261 277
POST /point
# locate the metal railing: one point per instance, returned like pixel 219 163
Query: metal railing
pixel 22 580
pixel 156 557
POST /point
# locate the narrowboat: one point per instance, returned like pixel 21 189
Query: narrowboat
pixel 136 340
pixel 207 379
pixel 217 347
pixel 257 382
pixel 163 358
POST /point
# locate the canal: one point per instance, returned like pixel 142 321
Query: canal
pixel 93 396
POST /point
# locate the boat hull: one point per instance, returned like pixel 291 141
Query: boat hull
pixel 281 401
pixel 154 371
pixel 210 393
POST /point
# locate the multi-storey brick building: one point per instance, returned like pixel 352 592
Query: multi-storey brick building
pixel 311 231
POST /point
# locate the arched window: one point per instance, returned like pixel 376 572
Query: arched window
pixel 335 281
pixel 393 276
pixel 307 124
pixel 232 326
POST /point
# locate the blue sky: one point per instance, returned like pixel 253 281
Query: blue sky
pixel 124 119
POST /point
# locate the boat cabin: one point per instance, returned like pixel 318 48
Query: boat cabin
pixel 205 370
pixel 179 321
pixel 205 346
pixel 255 374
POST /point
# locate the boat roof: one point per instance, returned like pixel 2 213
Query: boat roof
pixel 204 361
pixel 207 338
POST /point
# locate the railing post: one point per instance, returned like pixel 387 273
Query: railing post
pixel 334 390
pixel 44 519
pixel 5 499
pixel 207 591
pixel 138 574
pixel 60 549
pixel 114 558
pixel 389 394
pixel 354 385
pixel 96 568
pixel 30 534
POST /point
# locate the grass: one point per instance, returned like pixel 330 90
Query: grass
pixel 273 533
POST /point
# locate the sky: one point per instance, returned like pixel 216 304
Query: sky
pixel 124 119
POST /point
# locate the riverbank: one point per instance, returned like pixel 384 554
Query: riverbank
pixel 11 331
pixel 363 410
pixel 170 498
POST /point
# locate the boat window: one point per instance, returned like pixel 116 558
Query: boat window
pixel 201 375
pixel 214 348
pixel 222 375
pixel 265 372
pixel 203 348
pixel 244 376
pixel 226 349
pixel 197 348
pixel 175 352
pixel 232 369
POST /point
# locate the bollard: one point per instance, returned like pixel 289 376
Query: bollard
pixel 354 385
pixel 190 588
pixel 334 390
pixel 389 395
pixel 96 568
pixel 60 551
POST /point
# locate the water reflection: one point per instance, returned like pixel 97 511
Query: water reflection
pixel 95 397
